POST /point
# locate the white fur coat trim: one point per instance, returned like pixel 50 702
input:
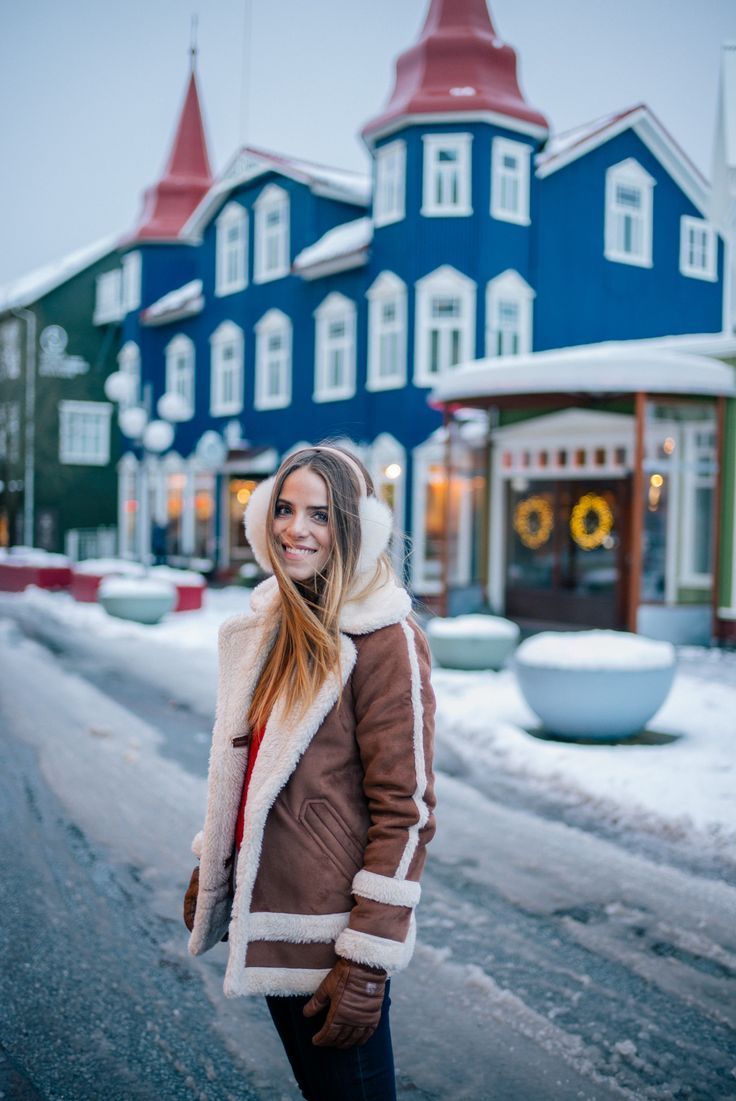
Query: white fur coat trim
pixel 392 955
pixel 278 980
pixel 297 928
pixel 420 768
pixel 385 888
pixel 359 616
pixel 197 844
pixel 284 742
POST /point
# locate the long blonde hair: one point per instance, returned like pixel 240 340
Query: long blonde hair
pixel 307 646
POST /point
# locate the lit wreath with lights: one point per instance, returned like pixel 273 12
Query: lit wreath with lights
pixel 584 535
pixel 533 521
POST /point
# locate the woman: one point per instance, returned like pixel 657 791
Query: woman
pixel 320 792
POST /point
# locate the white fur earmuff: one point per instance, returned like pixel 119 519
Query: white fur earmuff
pixel 376 525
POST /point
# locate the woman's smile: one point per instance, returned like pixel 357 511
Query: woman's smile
pixel 301 524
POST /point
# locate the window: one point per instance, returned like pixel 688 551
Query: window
pixel 232 250
pixel 10 431
pixel 386 333
pixel 131 285
pixel 446 187
pixel 388 203
pixel 226 384
pixel 180 369
pixel 10 337
pixel 273 361
pixel 445 323
pixel 628 221
pixel 108 297
pixel 335 349
pixel 432 536
pixel 272 235
pixel 84 432
pixel 129 364
pixel 510 181
pixel 698 499
pixel 697 248
pixel 509 301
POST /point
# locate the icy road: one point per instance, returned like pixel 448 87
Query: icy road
pixel 553 962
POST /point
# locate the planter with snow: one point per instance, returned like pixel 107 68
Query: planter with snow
pixel 594 684
pixel 141 599
pixel 189 586
pixel 88 574
pixel 24 566
pixel 472 641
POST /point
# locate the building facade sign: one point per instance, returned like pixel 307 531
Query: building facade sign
pixel 53 361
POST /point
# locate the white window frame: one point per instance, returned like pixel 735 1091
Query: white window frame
pixel 628 174
pixel 10 431
pixel 439 207
pixel 231 262
pixel 271 199
pixel 502 178
pixel 688 227
pixel 273 323
pixel 335 308
pixel 180 367
pixel 10 349
pixel 227 336
pixel 509 287
pixel 389 203
pixel 108 297
pixel 385 290
pixel 129 363
pixel 444 282
pixel 698 473
pixel 131 281
pixel 72 450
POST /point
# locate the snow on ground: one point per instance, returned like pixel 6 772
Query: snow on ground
pixel 678 781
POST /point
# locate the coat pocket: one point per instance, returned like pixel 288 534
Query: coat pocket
pixel 335 839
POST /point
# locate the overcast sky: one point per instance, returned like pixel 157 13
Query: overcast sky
pixel 90 89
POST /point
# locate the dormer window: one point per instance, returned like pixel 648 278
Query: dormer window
pixel 446 185
pixel 272 260
pixel 510 181
pixel 232 250
pixel 388 202
pixel 628 229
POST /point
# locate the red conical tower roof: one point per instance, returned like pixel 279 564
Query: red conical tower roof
pixel 187 176
pixel 459 65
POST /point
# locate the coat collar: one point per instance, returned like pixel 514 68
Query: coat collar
pixel 380 608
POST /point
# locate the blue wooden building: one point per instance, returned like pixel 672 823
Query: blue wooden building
pixel 286 301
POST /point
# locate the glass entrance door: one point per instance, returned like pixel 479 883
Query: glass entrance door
pixel 565 551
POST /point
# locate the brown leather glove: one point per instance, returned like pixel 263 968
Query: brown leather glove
pixel 190 899
pixel 354 994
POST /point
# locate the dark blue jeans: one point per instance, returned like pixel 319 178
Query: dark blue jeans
pixel 335 1074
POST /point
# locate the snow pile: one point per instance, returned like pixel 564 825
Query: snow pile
pixel 32 556
pixel 342 241
pixel 615 650
pixel 103 567
pixel 183 579
pixel 181 302
pixel 134 586
pixel 472 626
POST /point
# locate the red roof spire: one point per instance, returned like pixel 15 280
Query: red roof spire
pixel 459 64
pixel 187 176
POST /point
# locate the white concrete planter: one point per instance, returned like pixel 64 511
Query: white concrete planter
pixel 594 684
pixel 472 641
pixel 139 599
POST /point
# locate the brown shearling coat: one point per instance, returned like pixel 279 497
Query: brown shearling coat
pixel 339 809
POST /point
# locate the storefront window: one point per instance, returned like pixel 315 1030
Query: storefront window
pixel 239 491
pixel 204 515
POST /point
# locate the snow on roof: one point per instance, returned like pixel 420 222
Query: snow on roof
pixel 344 242
pixel 29 288
pixel 613 367
pixel 250 163
pixel 568 139
pixel 184 301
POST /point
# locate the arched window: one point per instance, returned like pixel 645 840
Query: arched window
pixel 272 260
pixel 180 369
pixel 226 382
pixel 445 323
pixel 628 231
pixel 386 332
pixel 334 349
pixel 509 304
pixel 129 364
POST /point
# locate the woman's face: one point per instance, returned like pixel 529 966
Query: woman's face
pixel 301 524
